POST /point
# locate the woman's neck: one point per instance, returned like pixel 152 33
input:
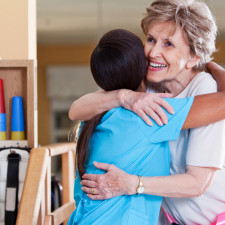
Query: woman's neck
pixel 175 86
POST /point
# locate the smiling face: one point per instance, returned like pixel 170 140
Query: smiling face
pixel 168 54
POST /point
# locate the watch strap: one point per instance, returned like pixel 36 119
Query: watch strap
pixel 140 184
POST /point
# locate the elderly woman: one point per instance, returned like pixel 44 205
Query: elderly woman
pixel 180 41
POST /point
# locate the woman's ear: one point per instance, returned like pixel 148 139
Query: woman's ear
pixel 192 61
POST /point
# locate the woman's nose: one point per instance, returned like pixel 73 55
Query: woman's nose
pixel 156 51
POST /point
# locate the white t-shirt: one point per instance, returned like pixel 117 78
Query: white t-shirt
pixel 204 147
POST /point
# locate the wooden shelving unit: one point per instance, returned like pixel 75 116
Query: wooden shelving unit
pixel 19 79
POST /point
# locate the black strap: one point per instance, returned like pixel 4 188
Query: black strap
pixel 11 198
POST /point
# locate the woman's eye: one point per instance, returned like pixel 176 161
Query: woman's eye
pixel 169 44
pixel 150 39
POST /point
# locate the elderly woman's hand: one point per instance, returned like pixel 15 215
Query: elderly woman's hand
pixel 144 104
pixel 114 182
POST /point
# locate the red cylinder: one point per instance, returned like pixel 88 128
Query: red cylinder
pixel 2 98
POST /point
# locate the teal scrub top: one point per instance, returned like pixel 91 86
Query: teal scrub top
pixel 122 138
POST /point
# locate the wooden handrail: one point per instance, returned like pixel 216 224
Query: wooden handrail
pixel 37 185
pixel 63 212
pixel 59 149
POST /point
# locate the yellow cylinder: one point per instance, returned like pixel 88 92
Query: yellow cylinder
pixel 17 135
pixel 2 135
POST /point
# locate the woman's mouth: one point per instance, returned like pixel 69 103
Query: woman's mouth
pixel 153 66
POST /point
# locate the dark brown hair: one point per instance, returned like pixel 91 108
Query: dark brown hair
pixel 117 62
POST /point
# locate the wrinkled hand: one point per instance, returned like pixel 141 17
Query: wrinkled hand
pixel 114 182
pixel 150 104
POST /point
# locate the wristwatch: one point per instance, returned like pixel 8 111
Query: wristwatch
pixel 140 188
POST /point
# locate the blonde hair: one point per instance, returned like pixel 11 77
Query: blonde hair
pixel 195 19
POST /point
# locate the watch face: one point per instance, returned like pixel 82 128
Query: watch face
pixel 140 190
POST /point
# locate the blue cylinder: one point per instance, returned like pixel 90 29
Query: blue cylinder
pixel 2 122
pixel 17 121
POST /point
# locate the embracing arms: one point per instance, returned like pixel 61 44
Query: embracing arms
pixel 116 182
pixel 92 104
pixel 206 109
pixel 193 183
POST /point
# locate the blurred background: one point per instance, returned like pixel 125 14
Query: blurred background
pixel 67 31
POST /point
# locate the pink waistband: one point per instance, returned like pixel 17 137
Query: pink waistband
pixel 220 219
pixel 168 216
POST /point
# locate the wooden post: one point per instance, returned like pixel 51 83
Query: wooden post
pixel 38 187
pixel 33 187
pixel 67 177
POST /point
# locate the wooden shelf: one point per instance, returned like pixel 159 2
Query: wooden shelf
pixel 19 80
pixel 14 143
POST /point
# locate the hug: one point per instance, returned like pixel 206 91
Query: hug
pixel 137 152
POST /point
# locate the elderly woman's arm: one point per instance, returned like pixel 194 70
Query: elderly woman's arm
pixel 92 104
pixel 116 182
pixel 193 183
pixel 208 108
pixel 143 104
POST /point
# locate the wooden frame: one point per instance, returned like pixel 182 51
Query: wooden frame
pixel 19 79
pixel 37 186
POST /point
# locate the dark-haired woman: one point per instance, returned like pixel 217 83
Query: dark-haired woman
pixel 122 138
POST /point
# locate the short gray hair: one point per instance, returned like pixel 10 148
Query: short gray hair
pixel 195 19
